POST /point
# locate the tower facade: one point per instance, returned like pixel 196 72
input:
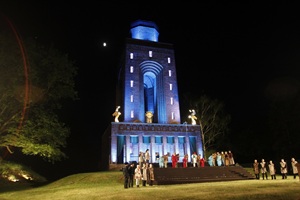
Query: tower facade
pixel 148 101
pixel 149 77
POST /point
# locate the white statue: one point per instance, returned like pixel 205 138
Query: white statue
pixel 117 114
pixel 193 117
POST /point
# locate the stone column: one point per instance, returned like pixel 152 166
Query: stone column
pixel 164 144
pixel 140 142
pixel 127 145
pixel 152 149
pixel 113 148
pixel 176 148
pixel 187 146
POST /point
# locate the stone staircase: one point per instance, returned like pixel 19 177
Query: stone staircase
pixel 166 176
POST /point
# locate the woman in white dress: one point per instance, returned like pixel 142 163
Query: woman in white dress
pixel 137 175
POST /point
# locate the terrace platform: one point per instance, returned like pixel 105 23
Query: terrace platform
pixel 166 176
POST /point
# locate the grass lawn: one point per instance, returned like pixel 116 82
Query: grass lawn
pixel 109 185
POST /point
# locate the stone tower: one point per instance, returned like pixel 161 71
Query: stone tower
pixel 148 102
pixel 149 81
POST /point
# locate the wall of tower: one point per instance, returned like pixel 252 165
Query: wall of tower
pixel 154 58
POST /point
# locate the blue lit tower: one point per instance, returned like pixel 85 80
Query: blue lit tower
pixel 147 83
pixel 150 82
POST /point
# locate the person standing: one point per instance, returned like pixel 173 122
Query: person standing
pixel 294 167
pixel 126 175
pixel 298 168
pixel 198 159
pixel 219 159
pixel 131 174
pixel 194 159
pixel 231 159
pixel 147 156
pixel 226 158
pixel 166 158
pixel 161 162
pixel 272 170
pixel 150 175
pixel 144 173
pixel 214 159
pixel 141 158
pixel 263 169
pixel 157 157
pixel 177 160
pixel 256 169
pixel 174 160
pixel 223 158
pixel 283 169
pixel 185 161
pixel 137 175
pixel 202 162
pixel 210 160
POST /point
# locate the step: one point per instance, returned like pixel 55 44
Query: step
pixel 202 174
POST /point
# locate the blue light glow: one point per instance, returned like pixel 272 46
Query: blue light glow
pixel 144 30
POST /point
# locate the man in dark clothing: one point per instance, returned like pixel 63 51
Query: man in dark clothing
pixel 126 175
pixel 131 169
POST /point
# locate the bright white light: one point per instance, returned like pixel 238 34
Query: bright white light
pixel 104 44
pixel 12 178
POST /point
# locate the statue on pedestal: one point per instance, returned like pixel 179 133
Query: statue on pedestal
pixel 193 117
pixel 149 116
pixel 117 114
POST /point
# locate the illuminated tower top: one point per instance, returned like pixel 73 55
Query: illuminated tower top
pixel 147 88
pixel 144 30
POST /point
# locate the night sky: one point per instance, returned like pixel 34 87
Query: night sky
pixel 243 54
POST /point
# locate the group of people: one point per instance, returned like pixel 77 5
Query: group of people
pixel 197 160
pixel 221 159
pixel 144 157
pixel 261 169
pixel 142 175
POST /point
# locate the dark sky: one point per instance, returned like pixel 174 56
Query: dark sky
pixel 240 53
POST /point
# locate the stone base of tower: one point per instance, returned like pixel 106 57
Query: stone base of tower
pixel 122 142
